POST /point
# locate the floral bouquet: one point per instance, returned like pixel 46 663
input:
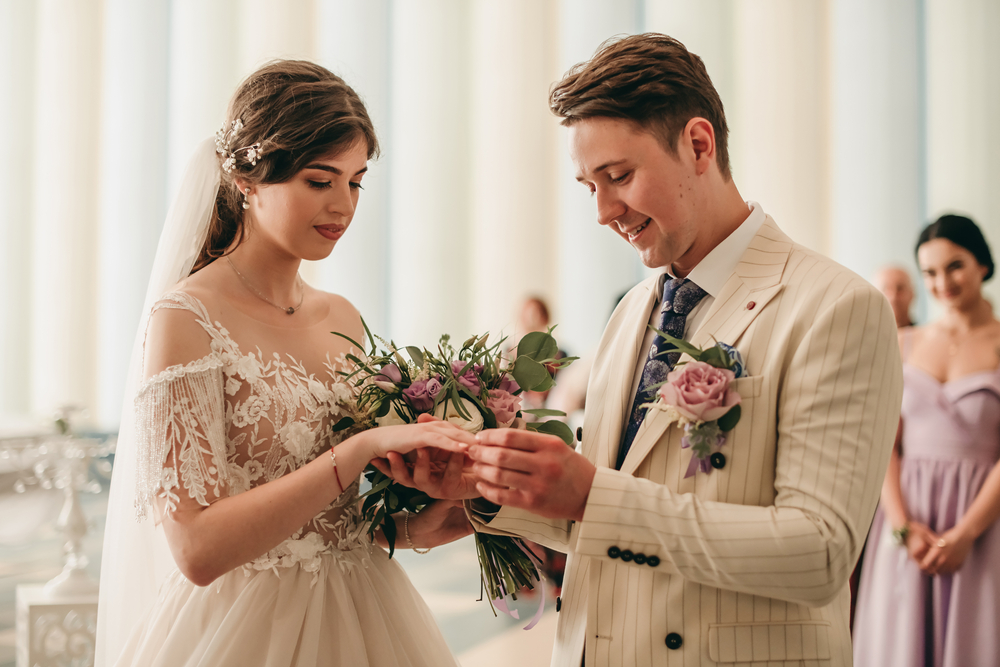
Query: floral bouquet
pixel 473 387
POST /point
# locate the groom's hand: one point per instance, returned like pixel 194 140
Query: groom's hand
pixel 532 471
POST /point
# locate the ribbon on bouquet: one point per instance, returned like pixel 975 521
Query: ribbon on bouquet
pixel 501 603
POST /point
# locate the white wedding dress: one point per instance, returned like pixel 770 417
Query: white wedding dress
pixel 257 406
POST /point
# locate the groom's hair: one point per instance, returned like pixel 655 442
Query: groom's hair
pixel 649 79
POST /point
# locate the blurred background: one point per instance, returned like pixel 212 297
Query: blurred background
pixel 853 123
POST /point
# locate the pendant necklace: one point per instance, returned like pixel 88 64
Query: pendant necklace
pixel 290 310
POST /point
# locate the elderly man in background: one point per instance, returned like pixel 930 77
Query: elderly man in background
pixel 894 282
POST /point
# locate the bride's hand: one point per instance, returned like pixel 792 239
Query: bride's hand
pixel 438 473
pixel 408 437
pixel 441 522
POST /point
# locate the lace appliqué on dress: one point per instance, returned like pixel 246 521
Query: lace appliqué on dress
pixel 232 421
pixel 181 411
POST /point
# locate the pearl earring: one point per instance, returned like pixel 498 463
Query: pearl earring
pixel 246 194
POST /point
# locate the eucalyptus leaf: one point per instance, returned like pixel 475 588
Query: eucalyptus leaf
pixel 545 412
pixel 556 428
pixel 529 374
pixel 538 346
pixel 728 421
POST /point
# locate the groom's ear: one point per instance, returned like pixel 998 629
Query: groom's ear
pixel 698 137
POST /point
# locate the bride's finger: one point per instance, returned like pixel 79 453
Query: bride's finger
pixel 382 466
pixel 422 470
pixel 399 470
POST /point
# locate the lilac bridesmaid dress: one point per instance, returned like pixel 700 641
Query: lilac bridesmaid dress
pixel 904 618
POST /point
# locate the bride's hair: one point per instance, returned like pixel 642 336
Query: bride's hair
pixel 297 111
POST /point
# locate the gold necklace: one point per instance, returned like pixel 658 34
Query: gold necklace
pixel 290 310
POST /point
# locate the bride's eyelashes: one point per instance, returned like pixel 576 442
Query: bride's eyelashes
pixel 323 185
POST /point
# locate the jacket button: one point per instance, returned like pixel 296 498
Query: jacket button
pixel 674 641
pixel 652 561
pixel 558 604
pixel 627 555
pixel 579 433
pixel 614 552
pixel 718 460
pixel 640 559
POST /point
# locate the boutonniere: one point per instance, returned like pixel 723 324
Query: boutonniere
pixel 698 396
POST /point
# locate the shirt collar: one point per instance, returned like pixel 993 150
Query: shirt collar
pixel 714 270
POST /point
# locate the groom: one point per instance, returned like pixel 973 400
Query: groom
pixel 743 558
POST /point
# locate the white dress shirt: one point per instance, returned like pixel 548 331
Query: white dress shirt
pixel 711 275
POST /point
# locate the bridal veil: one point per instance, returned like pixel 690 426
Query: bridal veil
pixel 136 557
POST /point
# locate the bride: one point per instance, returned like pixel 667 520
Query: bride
pixel 249 548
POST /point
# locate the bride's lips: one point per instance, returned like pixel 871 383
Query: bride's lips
pixel 332 232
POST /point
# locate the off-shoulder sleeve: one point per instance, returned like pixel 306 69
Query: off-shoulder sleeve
pixel 181 435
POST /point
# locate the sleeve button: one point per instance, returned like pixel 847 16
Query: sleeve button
pixel 579 433
pixel 674 641
pixel 558 604
pixel 627 555
pixel 614 552
pixel 640 559
pixel 652 561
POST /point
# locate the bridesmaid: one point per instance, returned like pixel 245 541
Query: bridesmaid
pixel 930 588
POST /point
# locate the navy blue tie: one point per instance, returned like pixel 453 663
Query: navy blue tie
pixel 680 296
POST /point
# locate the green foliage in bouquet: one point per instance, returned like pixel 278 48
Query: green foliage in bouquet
pixel 474 387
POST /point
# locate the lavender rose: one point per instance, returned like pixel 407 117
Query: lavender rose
pixel 504 406
pixel 418 395
pixel 469 379
pixel 700 391
pixel 509 384
pixel 387 378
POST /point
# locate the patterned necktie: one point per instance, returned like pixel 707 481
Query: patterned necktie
pixel 680 296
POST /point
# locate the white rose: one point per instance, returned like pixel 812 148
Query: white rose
pixel 473 425
pixel 391 418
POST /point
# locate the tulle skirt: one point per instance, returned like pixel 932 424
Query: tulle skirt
pixel 356 610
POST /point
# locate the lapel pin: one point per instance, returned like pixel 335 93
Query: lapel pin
pixel 751 305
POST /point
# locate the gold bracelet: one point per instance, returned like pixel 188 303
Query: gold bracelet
pixel 333 461
pixel 406 533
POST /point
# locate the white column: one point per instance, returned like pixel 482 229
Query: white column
pixel 271 29
pixel 132 181
pixel 204 73
pixel 17 67
pixel 963 95
pixel 595 265
pixel 780 131
pixel 64 248
pixel 515 160
pixel 352 40
pixel 877 133
pixel 430 226
pixel 706 29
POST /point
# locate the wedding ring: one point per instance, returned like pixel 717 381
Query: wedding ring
pixel 942 543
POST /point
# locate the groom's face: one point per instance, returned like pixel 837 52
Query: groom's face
pixel 645 194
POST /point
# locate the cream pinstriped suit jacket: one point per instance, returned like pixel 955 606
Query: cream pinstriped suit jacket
pixel 755 557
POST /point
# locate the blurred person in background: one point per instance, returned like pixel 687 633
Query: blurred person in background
pixel 930 586
pixel 894 282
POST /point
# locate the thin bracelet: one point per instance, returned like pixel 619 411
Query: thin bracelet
pixel 333 460
pixel 406 532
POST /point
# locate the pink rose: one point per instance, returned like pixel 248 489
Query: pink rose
pixel 700 391
pixel 504 406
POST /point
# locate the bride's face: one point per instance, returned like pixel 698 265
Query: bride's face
pixel 307 215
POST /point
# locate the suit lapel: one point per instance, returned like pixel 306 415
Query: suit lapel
pixel 624 356
pixel 756 279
